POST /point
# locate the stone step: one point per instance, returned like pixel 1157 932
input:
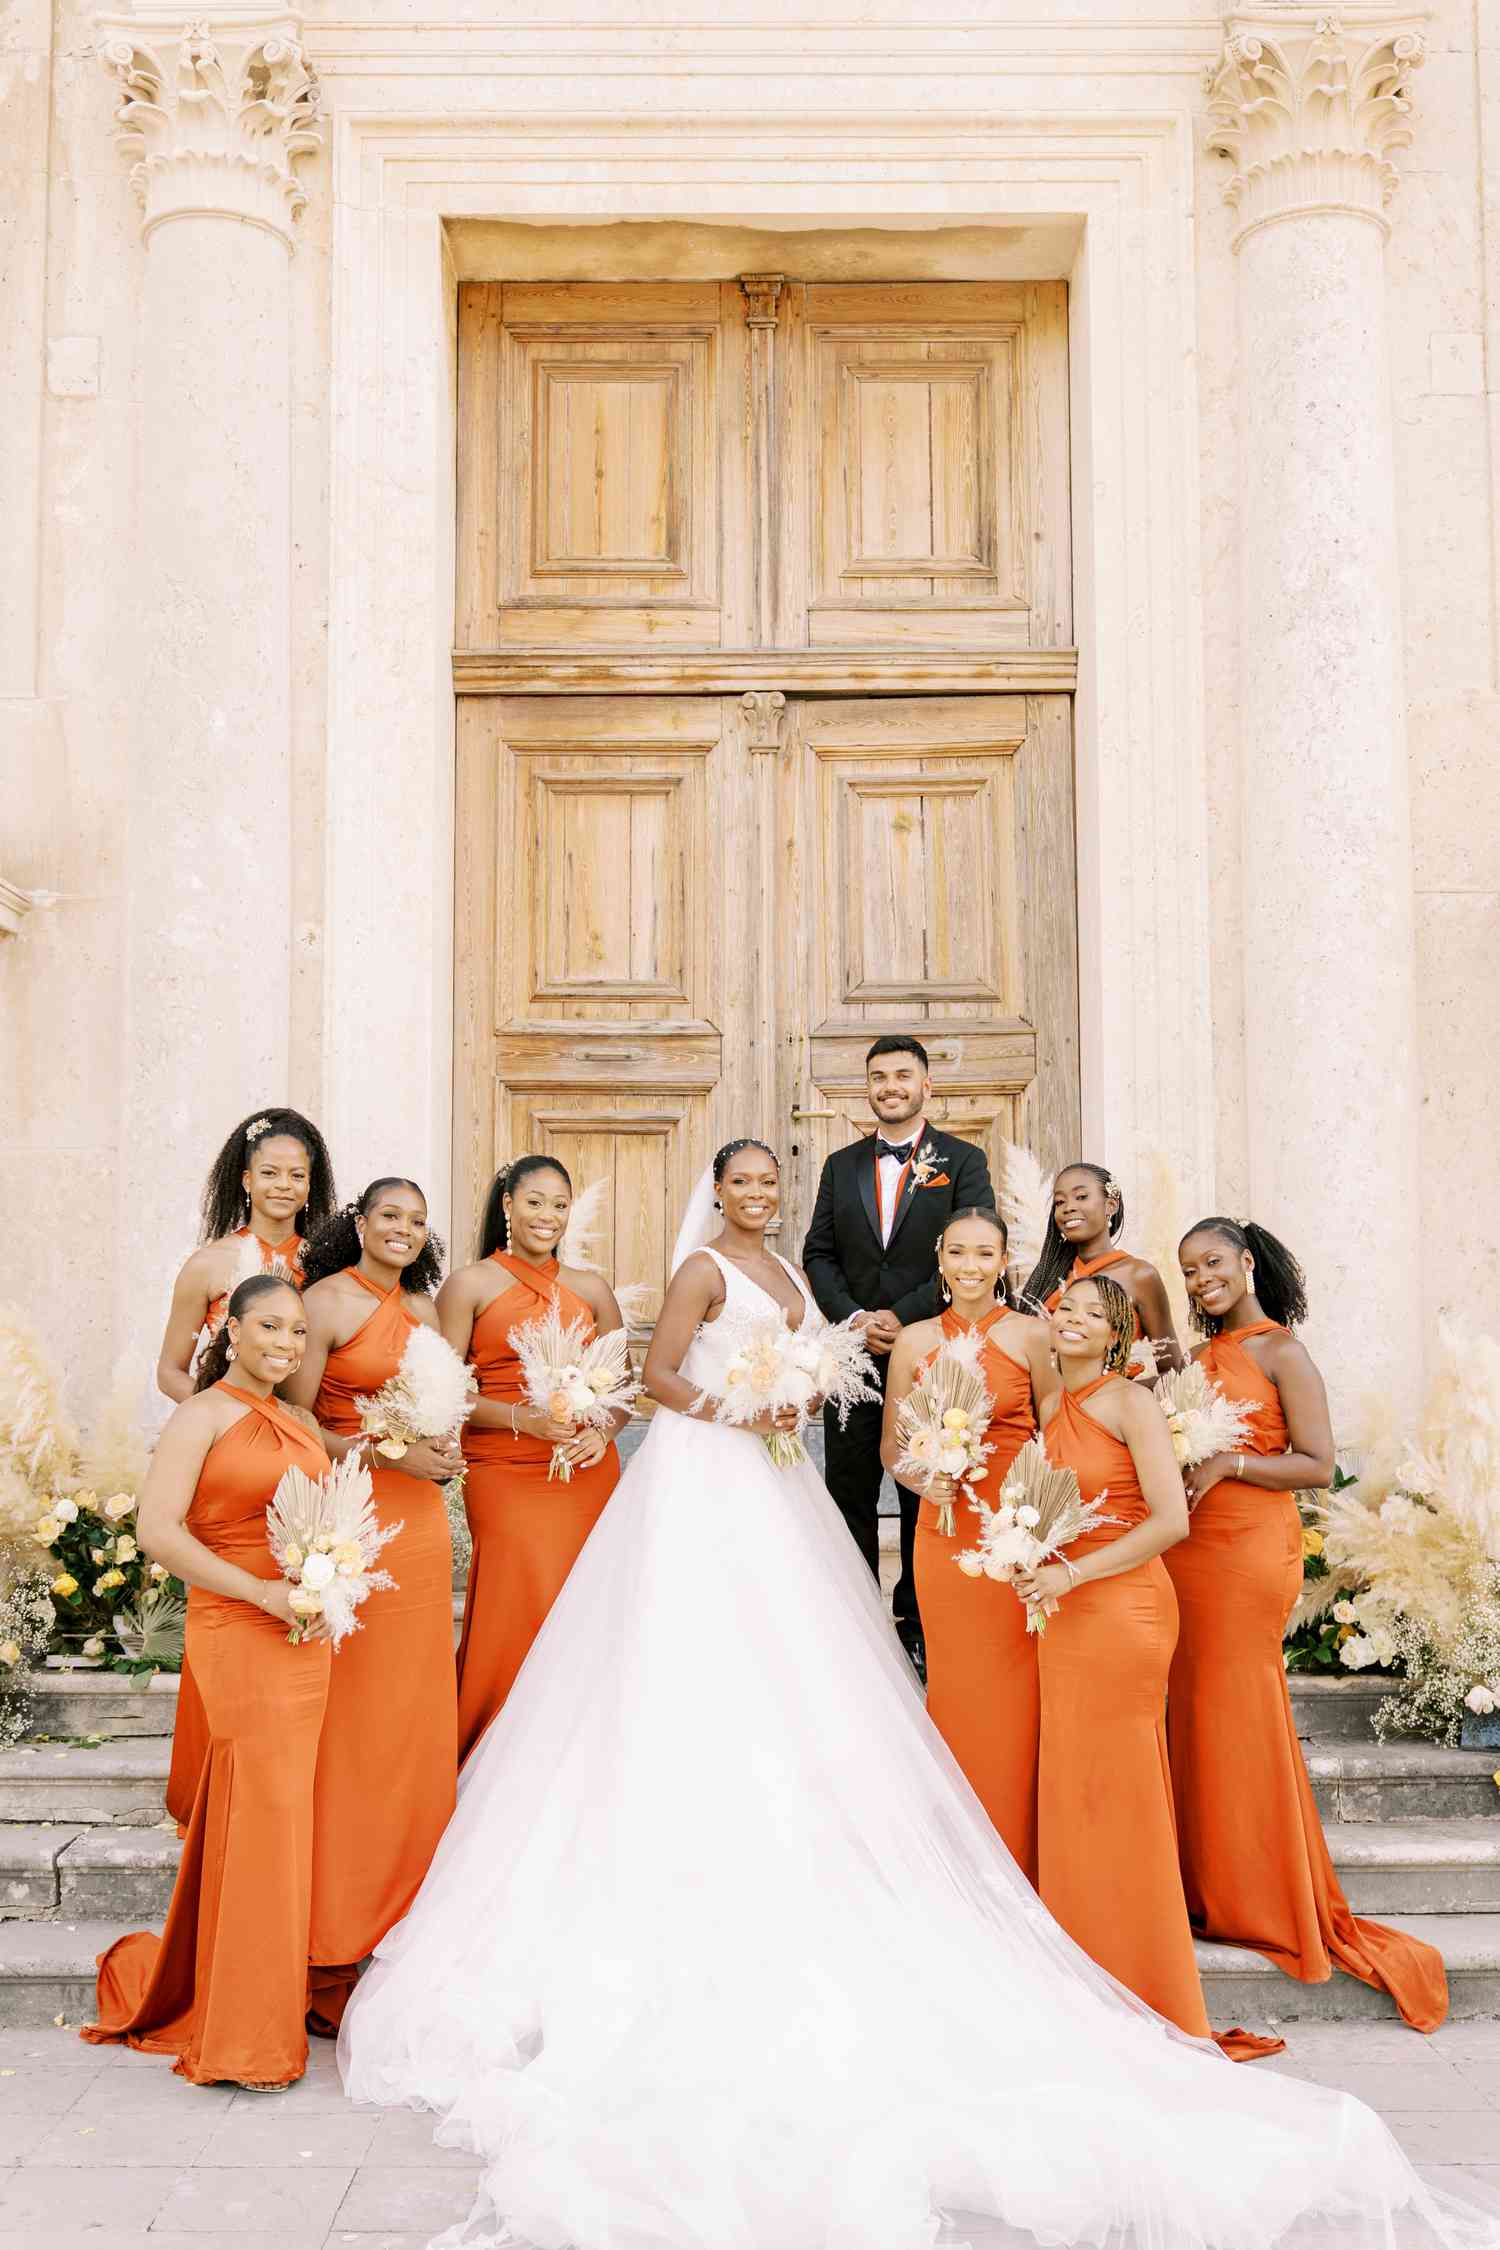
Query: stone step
pixel 1402 1781
pixel 1336 1709
pixel 117 1784
pixel 110 1705
pixel 47 1970
pixel 1391 1868
pixel 1244 1988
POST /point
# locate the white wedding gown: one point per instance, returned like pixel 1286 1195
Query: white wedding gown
pixel 721 1953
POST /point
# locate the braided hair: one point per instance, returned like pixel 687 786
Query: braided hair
pixel 213 1363
pixel 993 1219
pixel 1280 1286
pixel 732 1149
pixel 226 1205
pixel 1120 1310
pixel 336 1245
pixel 494 1227
pixel 1056 1261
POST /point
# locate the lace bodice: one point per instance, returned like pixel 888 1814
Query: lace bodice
pixel 711 1347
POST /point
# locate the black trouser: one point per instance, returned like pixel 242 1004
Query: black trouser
pixel 852 1458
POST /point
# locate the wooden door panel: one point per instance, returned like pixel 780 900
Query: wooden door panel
pixel 929 889
pixel 613 873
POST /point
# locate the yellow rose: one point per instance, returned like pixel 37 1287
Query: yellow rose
pixel 46 1531
pixel 65 1584
pixel 349 1558
pixel 108 1580
pixel 126 1550
pixel 304 1602
pixel 10 1655
pixel 1312 1544
pixel 955 1419
pixel 88 1502
pixel 292 1560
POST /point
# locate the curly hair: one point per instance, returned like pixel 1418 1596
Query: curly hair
pixel 494 1227
pixel 1056 1261
pixel 991 1219
pixel 1120 1311
pixel 226 1206
pixel 336 1246
pixel 213 1365
pixel 732 1149
pixel 1280 1285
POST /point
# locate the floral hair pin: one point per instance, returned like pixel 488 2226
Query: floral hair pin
pixel 256 1127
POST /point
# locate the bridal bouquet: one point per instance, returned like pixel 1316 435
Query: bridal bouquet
pixel 325 1536
pixel 773 1365
pixel 1040 1511
pixel 427 1397
pixel 573 1377
pixel 941 1424
pixel 1201 1419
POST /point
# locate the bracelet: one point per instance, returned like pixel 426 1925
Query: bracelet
pixel 1071 1571
pixel 1239 1468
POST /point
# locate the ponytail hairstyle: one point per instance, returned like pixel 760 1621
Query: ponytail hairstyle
pixel 1279 1285
pixel 1121 1311
pixel 732 1149
pixel 991 1217
pixel 336 1246
pixel 494 1227
pixel 226 1206
pixel 213 1363
pixel 1056 1261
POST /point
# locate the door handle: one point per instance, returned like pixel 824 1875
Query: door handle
pixel 797 1114
pixel 610 1054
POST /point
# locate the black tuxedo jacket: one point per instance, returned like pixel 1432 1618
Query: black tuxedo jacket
pixel 849 1268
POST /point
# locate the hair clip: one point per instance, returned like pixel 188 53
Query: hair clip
pixel 256 1127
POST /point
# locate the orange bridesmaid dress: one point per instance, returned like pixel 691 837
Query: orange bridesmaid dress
pixel 388 1767
pixel 982 1685
pixel 1106 1843
pixel 1255 1864
pixel 528 1530
pixel 190 1727
pixel 224 1988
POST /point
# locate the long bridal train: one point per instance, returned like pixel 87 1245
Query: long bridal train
pixel 721 1953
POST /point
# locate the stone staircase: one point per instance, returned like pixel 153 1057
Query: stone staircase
pixel 85 1851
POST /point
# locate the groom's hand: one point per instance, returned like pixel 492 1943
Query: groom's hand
pixel 880 1331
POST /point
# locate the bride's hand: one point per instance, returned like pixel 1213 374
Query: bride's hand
pixel 775 1418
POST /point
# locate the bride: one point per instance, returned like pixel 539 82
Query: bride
pixel 721 1953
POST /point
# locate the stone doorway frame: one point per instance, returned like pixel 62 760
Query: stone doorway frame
pixel 1125 182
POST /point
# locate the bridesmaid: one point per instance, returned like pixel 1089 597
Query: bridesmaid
pixel 1106 1843
pixel 269 1183
pixel 224 1988
pixel 527 1530
pixel 982 1690
pixel 389 1763
pixel 1082 1239
pixel 1254 1861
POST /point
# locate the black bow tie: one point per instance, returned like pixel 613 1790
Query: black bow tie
pixel 901 1150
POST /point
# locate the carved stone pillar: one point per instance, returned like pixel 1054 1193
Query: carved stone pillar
pixel 1311 112
pixel 214 120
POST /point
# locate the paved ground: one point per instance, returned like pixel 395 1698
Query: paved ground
pixel 101 2149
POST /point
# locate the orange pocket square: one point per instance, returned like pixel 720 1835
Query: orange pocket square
pixel 939 1179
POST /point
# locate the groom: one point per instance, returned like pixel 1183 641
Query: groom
pixel 872 1249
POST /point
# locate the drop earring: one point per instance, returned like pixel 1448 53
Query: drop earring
pixel 230 1355
pixel 943 1290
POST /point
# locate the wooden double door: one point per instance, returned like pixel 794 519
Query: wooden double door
pixel 764 727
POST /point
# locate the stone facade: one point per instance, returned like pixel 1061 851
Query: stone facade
pixel 226 431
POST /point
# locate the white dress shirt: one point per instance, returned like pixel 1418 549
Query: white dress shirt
pixel 889 1168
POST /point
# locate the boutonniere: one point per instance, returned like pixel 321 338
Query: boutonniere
pixel 924 1168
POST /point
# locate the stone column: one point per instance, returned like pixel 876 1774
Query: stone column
pixel 214 120
pixel 1311 113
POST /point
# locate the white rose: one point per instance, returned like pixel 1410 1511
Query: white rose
pixel 1345 1613
pixel 1357 1652
pixel 66 1511
pixel 95 1647
pixel 126 1550
pixel 952 1460
pixel 971 1564
pixel 600 1381
pixel 1030 1517
pixel 159 1571
pixel 118 1506
pixel 1480 1700
pixel 303 1602
pixel 318 1571
pixel 800 1389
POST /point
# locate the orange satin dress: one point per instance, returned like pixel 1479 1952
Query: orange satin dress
pixel 1255 1864
pixel 190 1727
pixel 1084 1269
pixel 528 1530
pixel 1106 1842
pixel 982 1684
pixel 224 1988
pixel 388 1768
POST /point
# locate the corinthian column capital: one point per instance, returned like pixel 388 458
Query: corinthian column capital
pixel 214 119
pixel 1310 111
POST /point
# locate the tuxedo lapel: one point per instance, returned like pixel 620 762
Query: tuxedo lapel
pixel 864 1172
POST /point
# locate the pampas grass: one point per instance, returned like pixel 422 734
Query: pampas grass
pixel 115 1456
pixel 1025 1206
pixel 1160 1229
pixel 36 1436
pixel 582 1244
pixel 428 1396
